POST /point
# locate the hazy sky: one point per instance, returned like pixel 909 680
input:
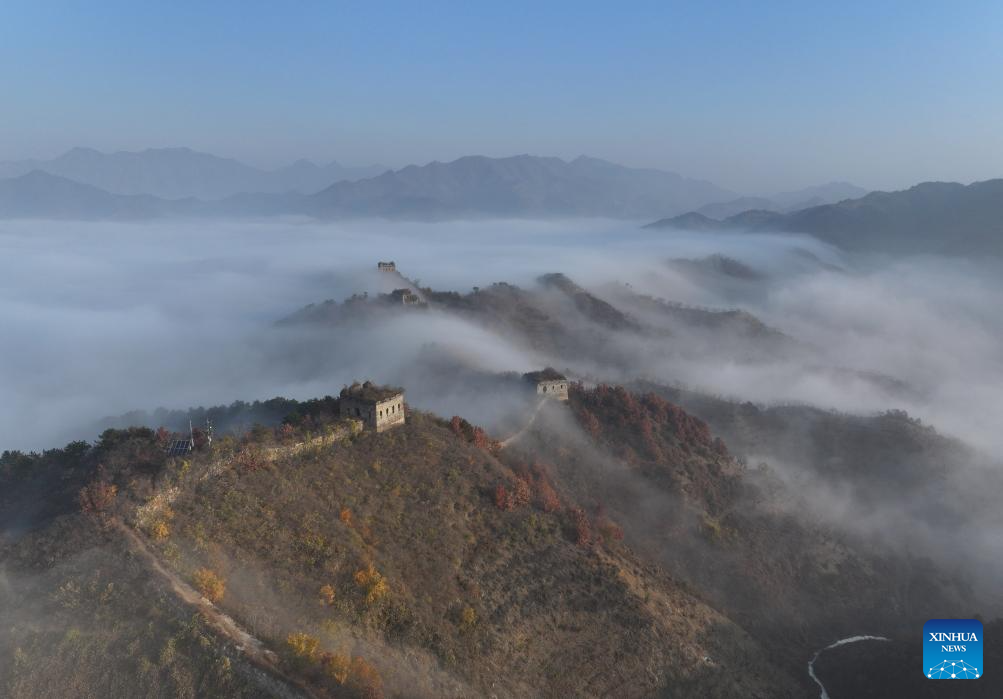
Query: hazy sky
pixel 754 96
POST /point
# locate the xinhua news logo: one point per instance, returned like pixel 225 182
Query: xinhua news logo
pixel 952 649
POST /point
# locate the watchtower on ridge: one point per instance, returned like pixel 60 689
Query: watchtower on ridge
pixel 549 383
pixel 378 407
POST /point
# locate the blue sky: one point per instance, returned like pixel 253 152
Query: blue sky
pixel 752 95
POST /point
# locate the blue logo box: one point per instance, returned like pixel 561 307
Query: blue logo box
pixel 952 649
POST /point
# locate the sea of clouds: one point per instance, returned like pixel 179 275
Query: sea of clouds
pixel 98 319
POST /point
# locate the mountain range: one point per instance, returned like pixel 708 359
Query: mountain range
pixel 177 173
pixel 817 195
pixel 932 217
pixel 522 186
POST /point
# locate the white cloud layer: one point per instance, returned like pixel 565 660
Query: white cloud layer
pixel 99 318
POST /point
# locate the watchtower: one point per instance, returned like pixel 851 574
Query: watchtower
pixel 549 383
pixel 378 407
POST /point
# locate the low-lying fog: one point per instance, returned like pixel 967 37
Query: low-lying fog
pixel 100 318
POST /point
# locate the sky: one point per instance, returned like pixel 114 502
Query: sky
pixel 757 97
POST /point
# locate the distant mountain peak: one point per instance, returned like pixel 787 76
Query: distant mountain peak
pixel 521 186
pixel 178 172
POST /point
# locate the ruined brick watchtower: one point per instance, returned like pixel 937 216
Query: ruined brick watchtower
pixel 378 407
pixel 549 383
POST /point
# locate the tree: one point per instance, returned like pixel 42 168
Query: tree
pixel 502 501
pixel 303 647
pixel 521 493
pixel 547 496
pixel 374 584
pixel 365 680
pixel 209 584
pixel 97 496
pixel 336 666
pixel 327 595
pixel 160 530
pixel 163 437
pixel 286 432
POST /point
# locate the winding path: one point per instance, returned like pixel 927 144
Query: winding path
pixel 223 624
pixel 841 642
pixel 532 418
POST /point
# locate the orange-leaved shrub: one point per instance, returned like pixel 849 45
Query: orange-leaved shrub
pixel 473 434
pixel 209 584
pixel 372 583
pixel 97 496
pixel 502 500
pixel 327 595
pixel 521 493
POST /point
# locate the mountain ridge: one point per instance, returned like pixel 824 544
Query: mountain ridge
pixel 786 202
pixel 522 186
pixel 182 172
pixel 929 217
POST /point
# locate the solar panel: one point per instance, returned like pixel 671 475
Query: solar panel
pixel 179 447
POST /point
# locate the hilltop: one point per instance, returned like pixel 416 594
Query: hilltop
pixel 392 555
pixel 618 546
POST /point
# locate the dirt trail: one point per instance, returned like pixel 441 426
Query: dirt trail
pixel 252 648
pixel 539 406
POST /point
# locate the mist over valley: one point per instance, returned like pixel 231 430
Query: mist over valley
pixel 548 351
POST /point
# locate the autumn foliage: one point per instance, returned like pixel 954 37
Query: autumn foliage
pixel 650 425
pixel 372 582
pixel 354 674
pixel 160 530
pixel 97 496
pixel 502 500
pixel 546 496
pixel 473 434
pixel 303 646
pixel 327 595
pixel 209 584
pixel 521 493
pixel 364 679
pixel 249 459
